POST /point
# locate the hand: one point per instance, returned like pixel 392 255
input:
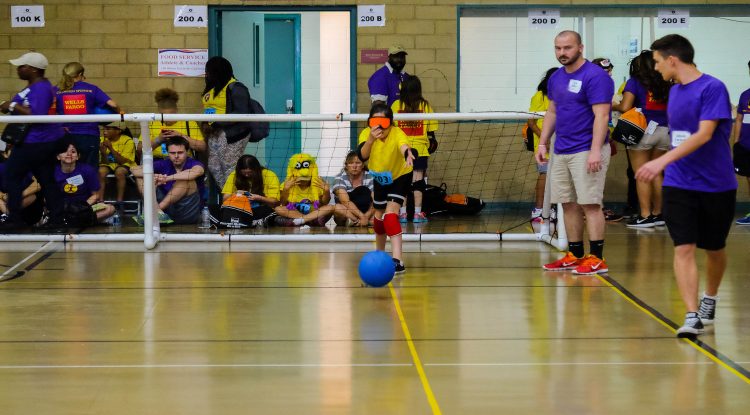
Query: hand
pixel 650 170
pixel 169 133
pixel 409 157
pixel 377 133
pixel 4 106
pixel 107 144
pixel 318 182
pixel 160 179
pixel 289 183
pixel 594 162
pixel 541 154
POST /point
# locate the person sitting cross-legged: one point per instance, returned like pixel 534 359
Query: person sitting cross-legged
pixel 179 184
pixel 304 195
pixel 79 185
pixel 117 153
pixel 352 191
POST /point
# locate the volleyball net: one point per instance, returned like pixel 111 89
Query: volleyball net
pixel 479 155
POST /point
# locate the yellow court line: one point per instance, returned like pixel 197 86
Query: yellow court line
pixel 415 357
pixel 663 323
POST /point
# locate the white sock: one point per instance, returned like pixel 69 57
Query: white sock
pixel 298 221
pixel 417 210
pixel 403 211
pixel 715 297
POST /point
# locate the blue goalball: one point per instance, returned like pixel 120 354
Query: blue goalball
pixel 376 268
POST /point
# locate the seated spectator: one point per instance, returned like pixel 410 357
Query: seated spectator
pixel 304 195
pixel 117 152
pixel 179 184
pixel 31 205
pixel 352 192
pixel 166 102
pixel 260 184
pixel 79 184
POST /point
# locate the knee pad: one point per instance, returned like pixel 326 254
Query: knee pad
pixel 378 226
pixel 419 185
pixel 392 225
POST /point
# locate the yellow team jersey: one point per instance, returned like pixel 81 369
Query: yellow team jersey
pixel 417 130
pixel 298 194
pixel 386 161
pixel 271 186
pixel 125 146
pixel 187 128
pixel 539 103
pixel 216 104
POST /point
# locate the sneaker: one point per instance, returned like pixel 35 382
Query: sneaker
pixel 536 213
pixel 569 261
pixel 692 327
pixel 164 219
pixel 658 220
pixel 138 219
pixel 591 265
pixel 707 310
pixel 282 221
pixel 641 222
pixel 400 268
pixel 402 218
pixel 745 220
pixel 420 217
pixel 611 216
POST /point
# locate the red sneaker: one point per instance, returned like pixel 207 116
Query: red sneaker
pixel 569 261
pixel 591 265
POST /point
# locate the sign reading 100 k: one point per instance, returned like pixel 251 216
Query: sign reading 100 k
pixel 544 19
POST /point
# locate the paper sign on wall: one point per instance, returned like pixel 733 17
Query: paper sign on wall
pixel 182 62
pixel 544 19
pixel 27 16
pixel 371 15
pixel 673 19
pixel 191 16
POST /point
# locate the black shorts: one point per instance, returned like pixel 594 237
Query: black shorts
pixel 701 218
pixel 420 163
pixel 394 192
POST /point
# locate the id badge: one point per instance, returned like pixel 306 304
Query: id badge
pixel 574 86
pixel 651 128
pixel 679 137
pixel 76 180
pixel 746 118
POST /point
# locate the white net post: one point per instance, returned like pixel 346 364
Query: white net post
pixel 151 227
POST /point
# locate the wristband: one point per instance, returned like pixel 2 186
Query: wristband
pixel 12 107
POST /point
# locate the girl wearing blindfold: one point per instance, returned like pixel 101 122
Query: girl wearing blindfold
pixel 385 148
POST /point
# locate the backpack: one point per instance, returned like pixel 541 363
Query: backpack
pixel 436 201
pixel 630 127
pixel 235 213
pixel 258 129
pixel 78 213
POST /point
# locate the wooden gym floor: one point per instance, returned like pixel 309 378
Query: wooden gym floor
pixel 258 328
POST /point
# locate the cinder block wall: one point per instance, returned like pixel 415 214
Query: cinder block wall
pixel 117 42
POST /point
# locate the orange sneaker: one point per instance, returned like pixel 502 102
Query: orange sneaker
pixel 569 261
pixel 591 265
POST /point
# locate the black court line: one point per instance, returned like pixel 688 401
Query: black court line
pixel 31 266
pixel 658 315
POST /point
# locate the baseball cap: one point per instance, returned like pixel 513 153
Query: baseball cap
pixel 33 59
pixel 116 124
pixel 603 63
pixel 394 49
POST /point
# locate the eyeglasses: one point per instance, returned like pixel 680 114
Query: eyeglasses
pixel 382 122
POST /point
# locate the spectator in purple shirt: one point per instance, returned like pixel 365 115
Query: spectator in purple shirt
pixel 74 96
pixel 179 184
pixel 37 154
pixel 385 83
pixel 699 182
pixel 741 134
pixel 580 96
pixel 79 184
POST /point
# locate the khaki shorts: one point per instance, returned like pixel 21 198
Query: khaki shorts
pixel 659 140
pixel 572 183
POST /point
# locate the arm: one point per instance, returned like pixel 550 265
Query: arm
pixel 33 188
pixel 189 174
pixel 93 198
pixel 548 127
pixel 285 191
pixel 601 129
pixel 736 128
pixel 628 100
pixel 654 167
pixel 325 196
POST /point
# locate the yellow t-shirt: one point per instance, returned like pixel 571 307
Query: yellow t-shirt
pixel 417 130
pixel 539 103
pixel 216 104
pixel 156 127
pixel 125 146
pixel 386 161
pixel 270 185
pixel 298 194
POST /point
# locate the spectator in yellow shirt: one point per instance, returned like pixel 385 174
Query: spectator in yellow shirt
pixel 117 151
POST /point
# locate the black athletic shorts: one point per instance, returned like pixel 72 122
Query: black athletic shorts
pixel 420 163
pixel 394 192
pixel 701 218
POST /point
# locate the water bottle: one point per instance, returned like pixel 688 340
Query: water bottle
pixel 205 219
pixel 116 220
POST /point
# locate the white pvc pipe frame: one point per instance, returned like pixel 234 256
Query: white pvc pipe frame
pixel 151 230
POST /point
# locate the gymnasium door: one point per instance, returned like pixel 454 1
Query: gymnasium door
pixel 264 50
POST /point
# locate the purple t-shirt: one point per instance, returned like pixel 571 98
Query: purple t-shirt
pixel 164 166
pixel 574 94
pixel 384 85
pixel 653 110
pixel 709 168
pixel 82 98
pixel 39 96
pixel 743 110
pixel 78 184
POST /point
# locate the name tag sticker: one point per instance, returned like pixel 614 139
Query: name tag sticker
pixel 651 127
pixel 76 180
pixel 574 86
pixel 679 137
pixel 746 118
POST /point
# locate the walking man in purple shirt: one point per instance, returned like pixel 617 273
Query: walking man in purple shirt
pixel 699 181
pixel 580 94
pixel 741 135
pixel 385 83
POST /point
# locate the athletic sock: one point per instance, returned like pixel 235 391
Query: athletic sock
pixel 403 211
pixel 417 210
pixel 576 248
pixel 596 248
pixel 298 221
pixel 710 297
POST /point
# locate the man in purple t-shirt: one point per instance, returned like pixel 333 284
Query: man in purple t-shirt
pixel 580 96
pixel 741 136
pixel 179 181
pixel 699 181
pixel 385 83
